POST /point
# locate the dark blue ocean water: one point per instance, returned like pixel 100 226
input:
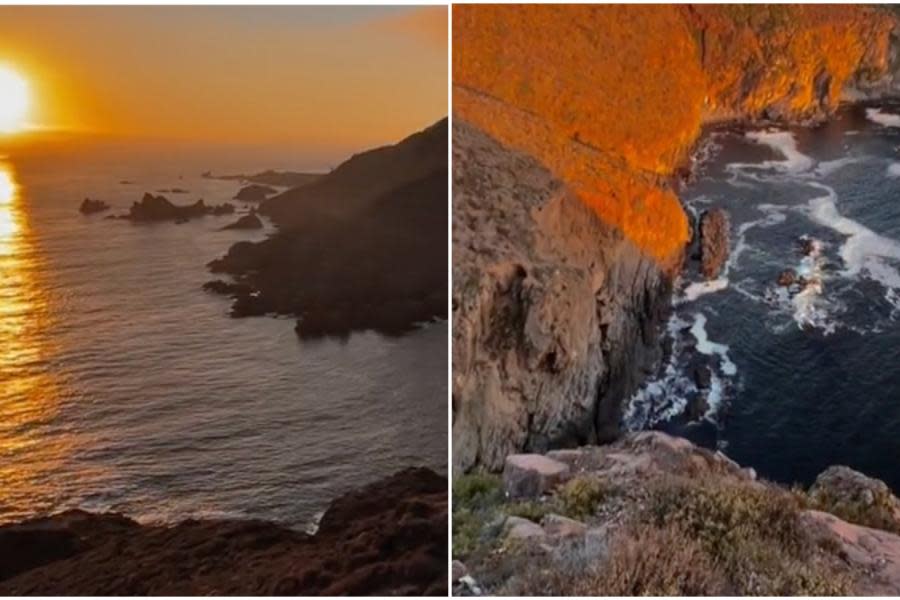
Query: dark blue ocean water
pixel 806 377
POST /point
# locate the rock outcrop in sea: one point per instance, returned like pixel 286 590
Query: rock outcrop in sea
pixel 572 125
pixel 89 207
pixel 714 242
pixel 387 538
pixel 159 208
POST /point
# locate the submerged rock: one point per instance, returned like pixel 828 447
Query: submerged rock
pixel 89 207
pixel 787 278
pixel 714 242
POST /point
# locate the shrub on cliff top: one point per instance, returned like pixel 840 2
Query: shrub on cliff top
pixel 754 534
pixel 476 498
pixel 578 498
pixel 644 560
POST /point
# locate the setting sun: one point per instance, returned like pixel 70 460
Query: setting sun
pixel 14 100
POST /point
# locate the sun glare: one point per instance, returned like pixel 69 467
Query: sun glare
pixel 14 101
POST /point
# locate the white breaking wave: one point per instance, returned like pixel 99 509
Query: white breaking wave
pixel 785 144
pixel 702 288
pixel 864 249
pixel 827 167
pixel 710 348
pixel 666 397
pixel 809 308
pixel 877 115
pixel 893 169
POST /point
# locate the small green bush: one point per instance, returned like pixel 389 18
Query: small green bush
pixel 476 501
pixel 579 497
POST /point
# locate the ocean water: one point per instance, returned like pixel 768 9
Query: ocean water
pixel 125 387
pixel 807 377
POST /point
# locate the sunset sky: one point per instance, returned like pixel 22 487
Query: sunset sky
pixel 346 77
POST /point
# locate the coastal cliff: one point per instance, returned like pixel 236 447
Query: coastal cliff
pixel 572 128
pixel 387 538
pixel 357 248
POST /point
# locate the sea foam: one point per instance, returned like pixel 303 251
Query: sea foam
pixel 877 115
pixel 710 348
pixel 785 144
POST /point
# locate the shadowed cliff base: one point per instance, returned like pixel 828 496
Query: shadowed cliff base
pixel 362 247
pixel 557 310
pixel 387 538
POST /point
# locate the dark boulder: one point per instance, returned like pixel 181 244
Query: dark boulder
pixel 697 407
pixel 255 193
pixel 714 242
pixel 702 375
pixel 249 221
pixel 787 277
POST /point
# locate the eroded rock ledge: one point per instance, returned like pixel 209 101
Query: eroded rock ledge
pixel 386 538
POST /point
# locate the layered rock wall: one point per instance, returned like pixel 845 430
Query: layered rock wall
pixel 567 231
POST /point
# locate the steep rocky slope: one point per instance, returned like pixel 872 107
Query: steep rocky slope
pixel 362 247
pixel 597 107
pixel 387 538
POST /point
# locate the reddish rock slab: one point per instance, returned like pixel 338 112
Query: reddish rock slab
pixel 532 475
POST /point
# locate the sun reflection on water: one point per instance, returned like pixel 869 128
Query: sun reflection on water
pixel 29 395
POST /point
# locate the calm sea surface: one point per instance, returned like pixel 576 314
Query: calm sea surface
pixel 124 386
pixel 807 377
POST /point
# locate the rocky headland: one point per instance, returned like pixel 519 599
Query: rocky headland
pixel 387 538
pixel 573 131
pixel 255 193
pixel 284 179
pixel 357 248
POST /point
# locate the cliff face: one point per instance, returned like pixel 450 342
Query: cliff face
pixel 585 113
pixel 553 308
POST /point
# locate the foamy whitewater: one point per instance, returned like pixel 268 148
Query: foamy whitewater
pixel 125 387
pixel 788 359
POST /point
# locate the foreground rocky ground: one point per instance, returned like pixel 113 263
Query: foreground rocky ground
pixel 387 538
pixel 655 515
